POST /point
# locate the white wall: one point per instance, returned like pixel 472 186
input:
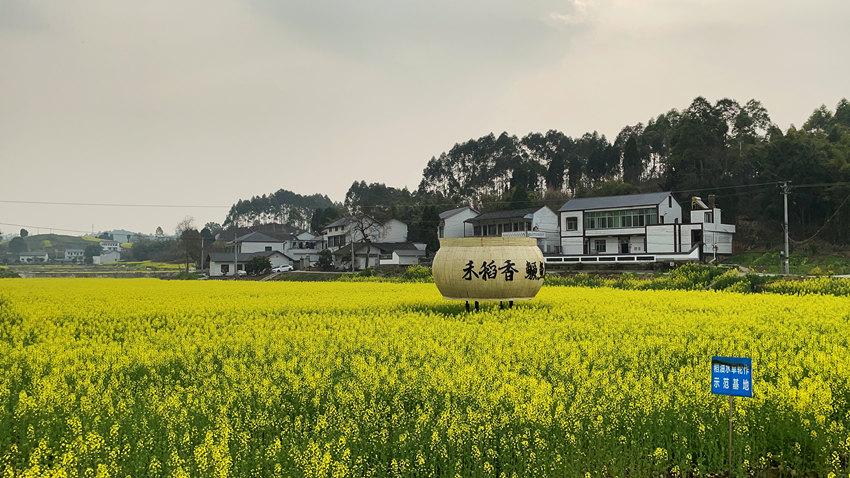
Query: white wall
pixel 670 213
pixel 392 231
pixel 572 245
pixel 579 215
pixel 456 227
pixel 546 220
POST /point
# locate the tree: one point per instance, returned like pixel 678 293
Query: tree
pixel 214 228
pixel 24 232
pixel 190 239
pixel 18 245
pixel 90 251
pixel 632 164
pixel 258 265
pixel 325 261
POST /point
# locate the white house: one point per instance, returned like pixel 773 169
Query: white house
pixel 304 247
pixel 540 223
pixel 74 255
pixel 453 222
pixel 110 245
pixel 380 254
pixel 106 257
pixel 34 257
pixel 122 235
pixel 344 230
pixel 639 227
pixel 259 242
pixel 221 263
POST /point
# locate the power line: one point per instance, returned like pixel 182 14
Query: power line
pixel 43 227
pixel 57 203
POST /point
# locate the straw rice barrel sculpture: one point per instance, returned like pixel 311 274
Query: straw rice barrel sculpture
pixel 489 268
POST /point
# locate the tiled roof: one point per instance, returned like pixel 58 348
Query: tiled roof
pixel 608 202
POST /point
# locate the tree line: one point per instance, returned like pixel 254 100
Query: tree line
pixel 727 148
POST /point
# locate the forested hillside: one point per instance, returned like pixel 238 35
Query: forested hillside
pixel 726 148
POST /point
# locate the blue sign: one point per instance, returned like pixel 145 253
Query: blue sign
pixel 732 376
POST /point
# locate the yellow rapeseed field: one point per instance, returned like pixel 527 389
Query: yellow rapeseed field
pixel 111 377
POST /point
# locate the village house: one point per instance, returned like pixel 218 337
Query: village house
pixel 540 223
pixel 74 255
pixel 453 222
pixel 110 245
pixel 106 257
pixel 380 254
pixel 640 227
pixel 221 263
pixel 34 257
pixel 304 248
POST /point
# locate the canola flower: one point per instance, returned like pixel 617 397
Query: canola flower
pixel 112 377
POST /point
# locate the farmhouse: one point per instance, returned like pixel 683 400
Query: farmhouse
pixel 106 257
pixel 540 223
pixel 74 255
pixel 35 257
pixel 380 254
pixel 110 245
pixel 348 229
pixel 221 263
pixel 640 227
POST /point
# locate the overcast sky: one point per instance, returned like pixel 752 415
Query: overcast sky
pixel 203 102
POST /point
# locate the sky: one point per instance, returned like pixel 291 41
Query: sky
pixel 202 102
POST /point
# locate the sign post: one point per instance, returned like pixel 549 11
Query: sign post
pixel 732 376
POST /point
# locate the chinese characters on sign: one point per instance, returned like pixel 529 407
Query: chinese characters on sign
pixel 732 376
pixel 490 271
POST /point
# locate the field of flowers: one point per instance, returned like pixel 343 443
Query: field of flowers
pixel 112 377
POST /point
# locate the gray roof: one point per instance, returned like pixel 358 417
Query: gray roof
pixel 243 256
pixel 452 212
pixel 256 237
pixel 609 202
pixel 507 214
pixel 339 222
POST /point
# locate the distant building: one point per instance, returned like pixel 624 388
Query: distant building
pixel 122 236
pixel 35 257
pixel 221 263
pixel 107 257
pixel 74 255
pixel 110 245
pixel 380 254
pixel 345 230
pixel 540 223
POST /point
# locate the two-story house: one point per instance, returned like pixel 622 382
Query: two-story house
pixel 110 245
pixel 74 255
pixel 640 227
pixel 348 229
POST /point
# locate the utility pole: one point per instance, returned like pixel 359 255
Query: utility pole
pixel 235 255
pixel 786 262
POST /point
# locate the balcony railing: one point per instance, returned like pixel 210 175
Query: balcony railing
pixel 534 234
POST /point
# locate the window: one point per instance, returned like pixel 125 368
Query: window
pixel 476 230
pixel 669 201
pixel 709 217
pixel 620 219
pixel 440 231
pixel 599 245
pixel 268 248
pixel 572 224
pixel 491 230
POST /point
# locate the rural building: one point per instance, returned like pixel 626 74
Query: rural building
pixel 380 254
pixel 74 255
pixel 122 236
pixel 259 242
pixel 110 245
pixel 304 248
pixel 35 257
pixel 453 222
pixel 221 263
pixel 342 231
pixel 540 223
pixel 639 227
pixel 107 257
